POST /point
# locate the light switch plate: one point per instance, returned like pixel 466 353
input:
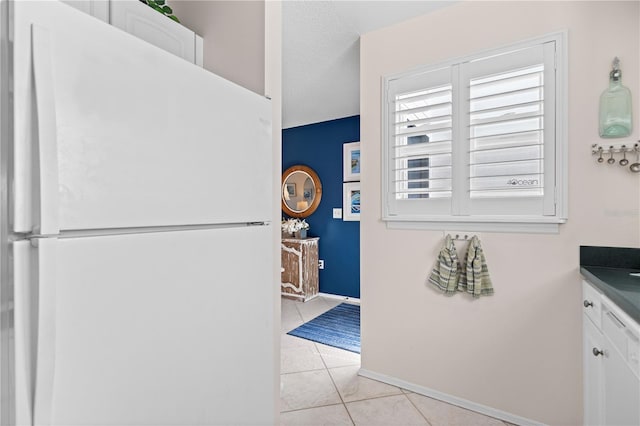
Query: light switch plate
pixel 337 213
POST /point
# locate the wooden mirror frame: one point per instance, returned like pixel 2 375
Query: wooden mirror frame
pixel 316 199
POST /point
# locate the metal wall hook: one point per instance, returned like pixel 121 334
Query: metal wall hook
pixel 459 235
pixel 624 161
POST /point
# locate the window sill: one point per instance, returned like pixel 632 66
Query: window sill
pixel 509 224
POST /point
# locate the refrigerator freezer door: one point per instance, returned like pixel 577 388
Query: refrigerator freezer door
pixel 171 328
pixel 142 138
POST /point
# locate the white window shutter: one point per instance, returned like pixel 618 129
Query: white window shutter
pixel 420 143
pixel 509 132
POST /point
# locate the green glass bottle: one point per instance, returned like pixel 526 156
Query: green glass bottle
pixel 615 106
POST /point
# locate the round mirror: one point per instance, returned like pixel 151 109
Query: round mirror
pixel 301 191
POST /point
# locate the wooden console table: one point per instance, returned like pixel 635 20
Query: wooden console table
pixel 300 262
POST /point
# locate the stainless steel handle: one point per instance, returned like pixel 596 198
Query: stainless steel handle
pixel 587 303
pixel 616 320
pixel 597 352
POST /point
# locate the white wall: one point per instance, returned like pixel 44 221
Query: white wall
pixel 520 350
pixel 234 37
pixel 273 90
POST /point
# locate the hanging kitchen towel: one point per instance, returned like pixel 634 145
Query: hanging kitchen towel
pixel 475 275
pixel 447 269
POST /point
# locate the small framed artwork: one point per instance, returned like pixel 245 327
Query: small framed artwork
pixel 291 189
pixel 351 201
pixel 351 161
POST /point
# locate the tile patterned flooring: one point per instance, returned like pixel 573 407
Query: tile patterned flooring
pixel 319 385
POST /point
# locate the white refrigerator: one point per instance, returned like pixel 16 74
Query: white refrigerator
pixel 140 253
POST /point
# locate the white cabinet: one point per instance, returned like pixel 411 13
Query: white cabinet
pixel 592 381
pixel 96 8
pixel 140 20
pixel 621 389
pixel 592 302
pixel 147 24
pixel 610 353
pixel 620 382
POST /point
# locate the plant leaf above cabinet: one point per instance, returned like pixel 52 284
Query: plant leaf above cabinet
pixel 160 6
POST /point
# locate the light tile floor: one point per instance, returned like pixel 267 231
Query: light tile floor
pixel 319 385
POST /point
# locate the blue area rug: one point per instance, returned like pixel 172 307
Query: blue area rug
pixel 338 327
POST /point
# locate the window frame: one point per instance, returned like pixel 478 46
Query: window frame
pixel 489 222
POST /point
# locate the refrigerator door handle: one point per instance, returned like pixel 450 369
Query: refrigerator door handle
pixel 24 329
pixel 47 260
pixel 35 275
pixel 46 155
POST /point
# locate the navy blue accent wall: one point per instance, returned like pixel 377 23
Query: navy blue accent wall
pixel 319 146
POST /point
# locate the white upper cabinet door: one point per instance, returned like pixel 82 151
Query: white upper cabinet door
pixel 123 134
pixel 96 8
pixel 151 26
pixel 199 51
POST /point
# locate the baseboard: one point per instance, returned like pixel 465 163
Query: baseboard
pixel 347 299
pixel 454 400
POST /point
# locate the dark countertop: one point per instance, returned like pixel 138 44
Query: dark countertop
pixel 608 269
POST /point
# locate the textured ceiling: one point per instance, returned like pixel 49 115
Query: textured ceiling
pixel 321 53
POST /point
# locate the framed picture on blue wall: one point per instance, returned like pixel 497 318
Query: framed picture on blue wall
pixel 351 161
pixel 351 201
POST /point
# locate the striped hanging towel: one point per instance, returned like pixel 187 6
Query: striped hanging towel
pixel 447 269
pixel 475 276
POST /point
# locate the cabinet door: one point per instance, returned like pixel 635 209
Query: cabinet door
pixel 96 8
pixel 592 303
pixel 199 51
pixel 151 26
pixel 593 379
pixel 621 389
